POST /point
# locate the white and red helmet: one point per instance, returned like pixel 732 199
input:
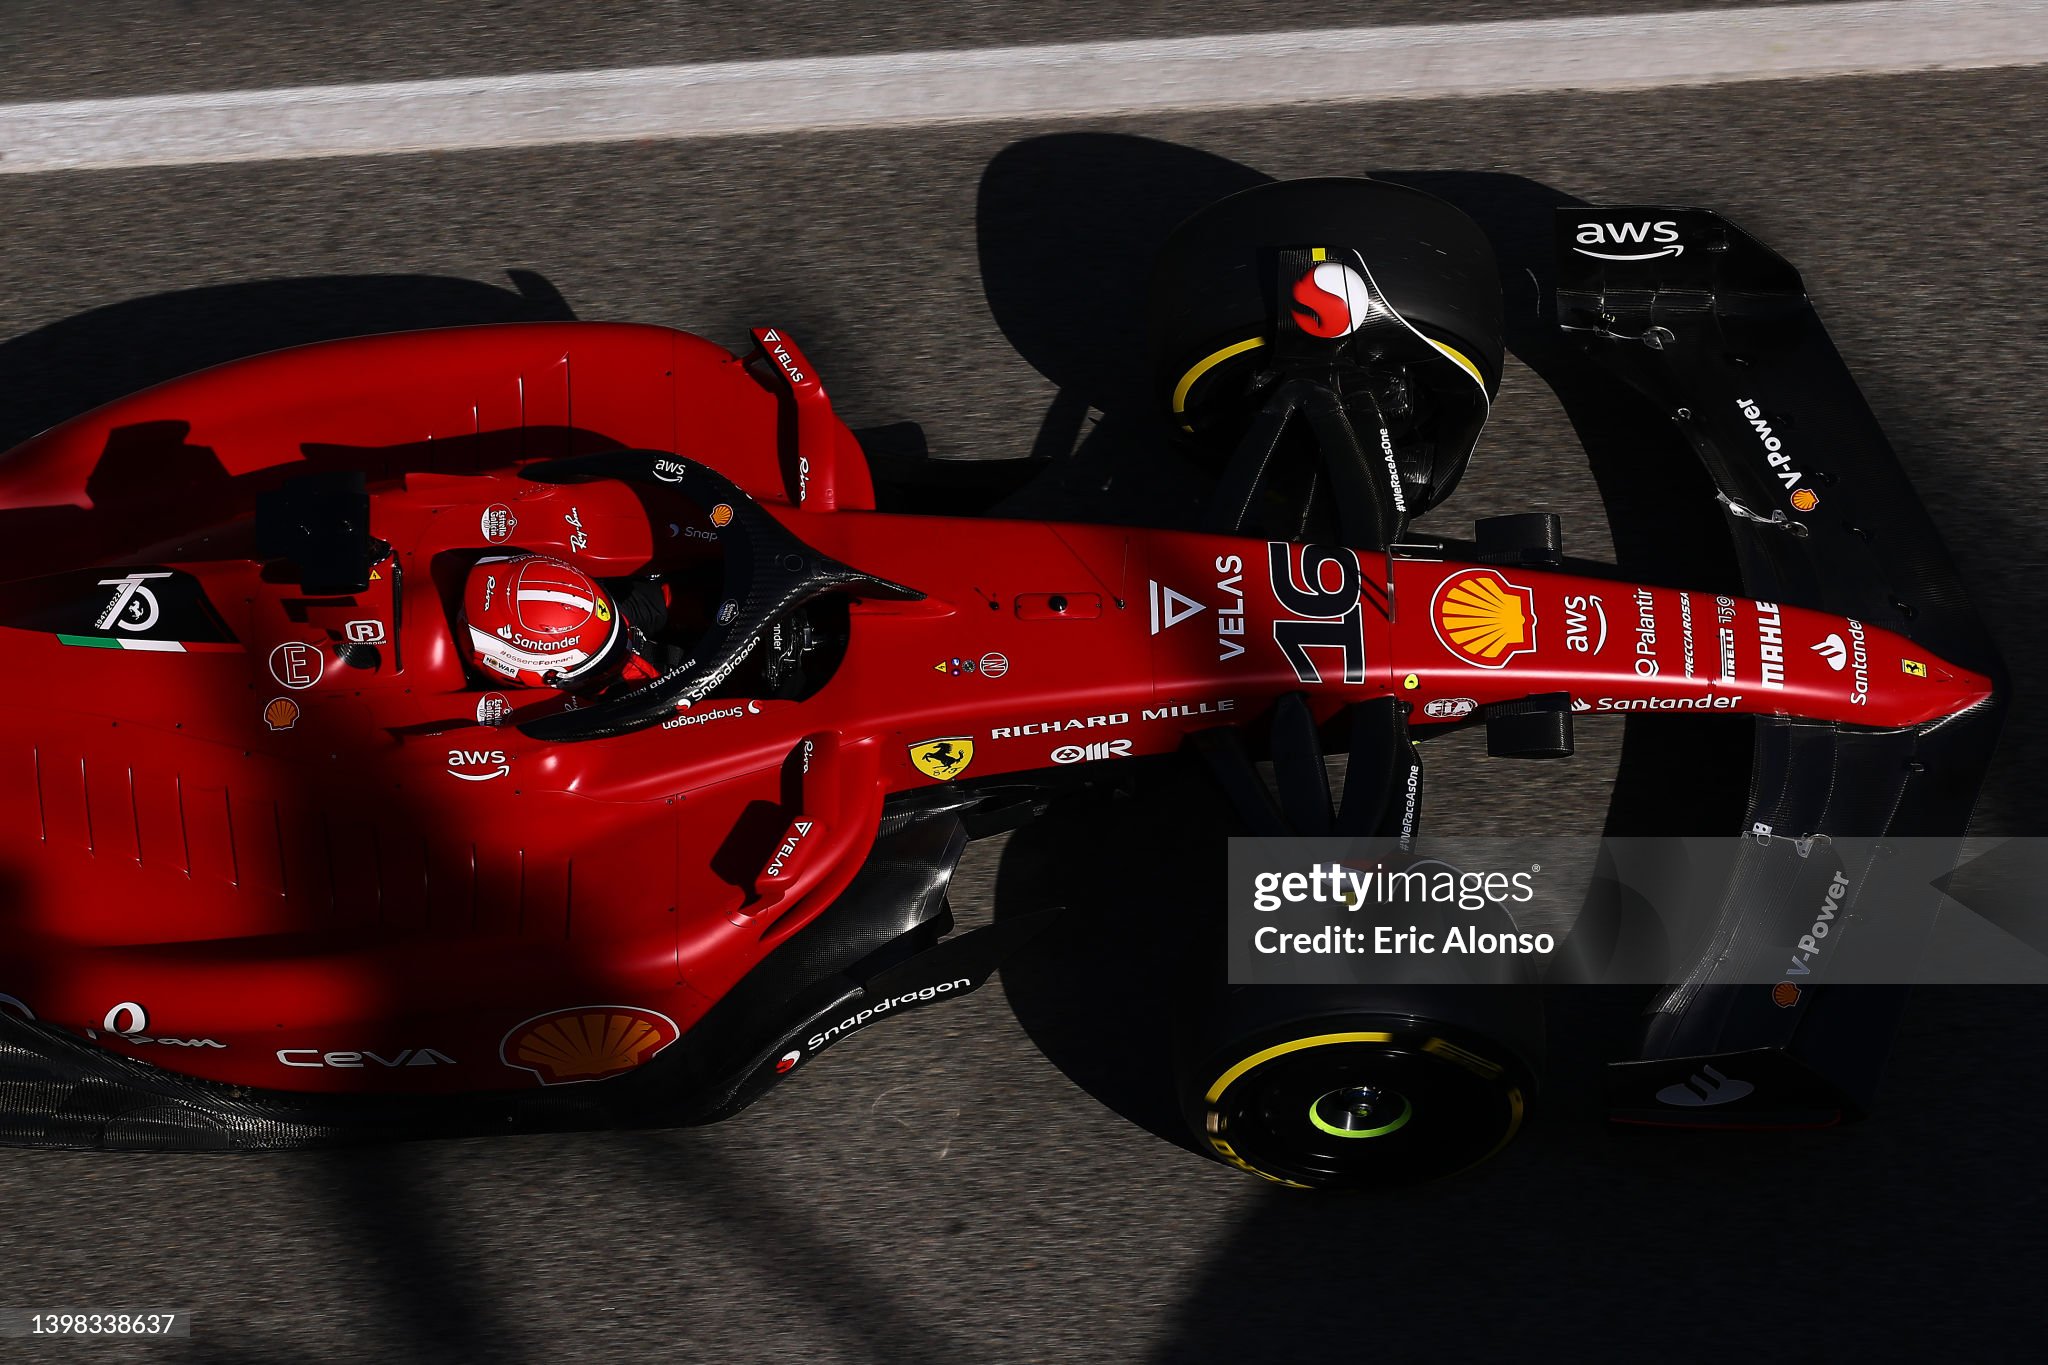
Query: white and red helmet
pixel 539 622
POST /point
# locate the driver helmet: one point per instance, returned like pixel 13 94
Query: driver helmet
pixel 539 622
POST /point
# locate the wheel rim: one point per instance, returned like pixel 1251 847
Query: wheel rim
pixel 1360 1111
pixel 1364 1109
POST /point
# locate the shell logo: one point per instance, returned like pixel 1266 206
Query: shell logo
pixel 587 1042
pixel 1785 995
pixel 281 714
pixel 1483 618
pixel 721 515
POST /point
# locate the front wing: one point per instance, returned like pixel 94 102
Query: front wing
pixel 1716 331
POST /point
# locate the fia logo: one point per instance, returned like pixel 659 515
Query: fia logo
pixel 1663 236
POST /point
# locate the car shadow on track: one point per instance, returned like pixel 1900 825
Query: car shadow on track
pixel 76 364
pixel 1069 225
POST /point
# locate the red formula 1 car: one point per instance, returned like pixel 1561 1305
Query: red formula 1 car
pixel 298 849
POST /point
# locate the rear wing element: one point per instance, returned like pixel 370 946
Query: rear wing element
pixel 1716 330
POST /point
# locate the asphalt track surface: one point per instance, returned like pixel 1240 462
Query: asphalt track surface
pixel 56 49
pixel 945 1186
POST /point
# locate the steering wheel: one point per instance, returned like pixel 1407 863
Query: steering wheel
pixel 768 572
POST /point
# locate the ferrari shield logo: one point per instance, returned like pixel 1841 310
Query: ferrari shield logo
pixel 943 759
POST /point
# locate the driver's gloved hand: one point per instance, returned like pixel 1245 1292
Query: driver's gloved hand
pixel 642 601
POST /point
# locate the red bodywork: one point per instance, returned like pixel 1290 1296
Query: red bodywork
pixel 256 863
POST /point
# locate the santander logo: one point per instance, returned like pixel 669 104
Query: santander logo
pixel 1331 300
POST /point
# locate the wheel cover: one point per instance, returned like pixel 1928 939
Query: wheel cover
pixel 1363 1108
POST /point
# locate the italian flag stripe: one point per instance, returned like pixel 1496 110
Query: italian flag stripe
pixel 102 642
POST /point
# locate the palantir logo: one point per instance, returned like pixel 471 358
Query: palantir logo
pixel 1834 651
pixel 1703 1088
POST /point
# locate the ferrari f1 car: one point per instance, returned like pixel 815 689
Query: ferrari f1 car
pixel 285 860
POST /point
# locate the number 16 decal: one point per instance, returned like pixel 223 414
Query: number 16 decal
pixel 1331 617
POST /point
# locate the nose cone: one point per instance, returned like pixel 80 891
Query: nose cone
pixel 1846 671
pixel 1898 682
pixel 1943 689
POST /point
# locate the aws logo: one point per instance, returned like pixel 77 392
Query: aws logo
pixel 1332 300
pixel 478 765
pixel 1483 618
pixel 1649 240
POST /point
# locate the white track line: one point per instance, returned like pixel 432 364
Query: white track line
pixel 1079 80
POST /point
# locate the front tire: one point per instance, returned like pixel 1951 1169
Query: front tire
pixel 1215 304
pixel 1364 1099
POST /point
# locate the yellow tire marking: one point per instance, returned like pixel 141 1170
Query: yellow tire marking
pixel 1471 1061
pixel 1454 354
pixel 1206 364
pixel 1224 1081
